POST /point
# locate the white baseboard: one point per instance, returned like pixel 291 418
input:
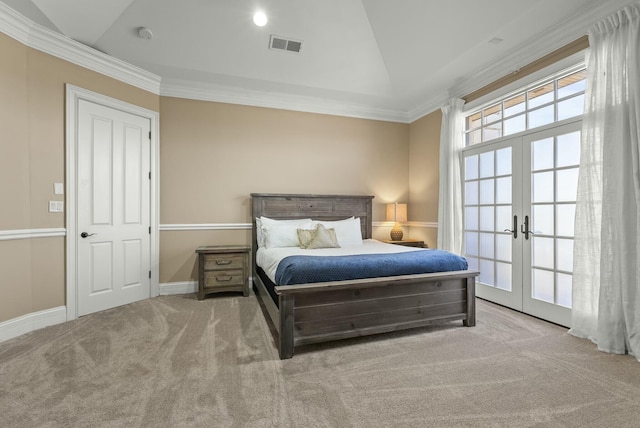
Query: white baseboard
pixel 183 287
pixel 31 322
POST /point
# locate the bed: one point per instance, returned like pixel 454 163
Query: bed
pixel 316 312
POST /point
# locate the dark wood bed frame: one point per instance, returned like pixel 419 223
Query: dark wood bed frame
pixel 321 312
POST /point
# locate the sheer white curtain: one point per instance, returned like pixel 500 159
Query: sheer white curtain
pixel 450 230
pixel 606 281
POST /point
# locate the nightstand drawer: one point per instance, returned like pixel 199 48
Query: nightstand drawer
pixel 223 278
pixel 223 261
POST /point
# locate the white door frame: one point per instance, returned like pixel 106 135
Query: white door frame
pixel 73 95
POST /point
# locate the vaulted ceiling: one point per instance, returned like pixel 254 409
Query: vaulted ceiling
pixel 391 58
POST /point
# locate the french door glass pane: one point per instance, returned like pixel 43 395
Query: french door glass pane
pixel 542 219
pixel 568 150
pixel 567 183
pixel 487 191
pixel 471 167
pixel 543 187
pixel 566 214
pixel 503 247
pixel 563 283
pixel 503 274
pixel 543 252
pixel 542 154
pixel 542 287
pixel 487 165
pixel 503 161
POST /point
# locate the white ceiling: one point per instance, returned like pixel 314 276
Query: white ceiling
pixel 393 57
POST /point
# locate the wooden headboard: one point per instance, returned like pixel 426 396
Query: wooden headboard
pixel 317 207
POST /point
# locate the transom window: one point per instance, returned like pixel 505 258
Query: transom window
pixel 555 100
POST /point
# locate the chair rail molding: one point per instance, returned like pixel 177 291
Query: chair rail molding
pixel 9 235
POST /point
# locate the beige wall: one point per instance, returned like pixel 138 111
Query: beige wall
pixel 32 158
pixel 213 155
pixel 424 170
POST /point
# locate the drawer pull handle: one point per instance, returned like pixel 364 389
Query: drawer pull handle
pixel 224 278
pixel 223 262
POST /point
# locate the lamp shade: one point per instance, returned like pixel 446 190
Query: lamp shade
pixel 397 212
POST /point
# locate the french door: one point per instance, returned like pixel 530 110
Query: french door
pixel 519 202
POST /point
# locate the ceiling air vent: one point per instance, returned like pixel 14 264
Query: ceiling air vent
pixel 282 44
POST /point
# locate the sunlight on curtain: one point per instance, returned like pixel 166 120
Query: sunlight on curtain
pixel 450 230
pixel 606 281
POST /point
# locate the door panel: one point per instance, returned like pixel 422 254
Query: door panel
pixel 113 208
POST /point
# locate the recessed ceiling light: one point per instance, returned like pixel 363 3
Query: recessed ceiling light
pixel 260 19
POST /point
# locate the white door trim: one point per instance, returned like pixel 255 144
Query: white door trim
pixel 73 95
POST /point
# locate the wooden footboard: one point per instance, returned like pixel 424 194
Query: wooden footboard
pixel 321 312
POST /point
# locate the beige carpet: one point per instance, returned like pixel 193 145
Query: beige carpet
pixel 173 361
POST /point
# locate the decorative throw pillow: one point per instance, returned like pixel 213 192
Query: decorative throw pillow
pixel 320 237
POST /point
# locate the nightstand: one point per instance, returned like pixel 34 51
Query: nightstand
pixel 407 243
pixel 223 268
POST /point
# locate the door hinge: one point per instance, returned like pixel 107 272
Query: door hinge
pixel 149 175
pixel 149 134
pixel 149 230
pixel 149 274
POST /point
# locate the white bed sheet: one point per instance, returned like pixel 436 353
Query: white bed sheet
pixel 269 258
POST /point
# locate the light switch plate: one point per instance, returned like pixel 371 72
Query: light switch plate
pixel 56 206
pixel 58 188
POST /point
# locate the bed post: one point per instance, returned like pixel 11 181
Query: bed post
pixel 470 321
pixel 285 339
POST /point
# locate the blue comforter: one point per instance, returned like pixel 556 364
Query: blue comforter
pixel 305 269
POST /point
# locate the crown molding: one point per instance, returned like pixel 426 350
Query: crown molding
pixel 48 41
pixel 225 94
pixel 545 43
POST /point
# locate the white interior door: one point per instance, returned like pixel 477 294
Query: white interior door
pixel 113 208
pixel 520 198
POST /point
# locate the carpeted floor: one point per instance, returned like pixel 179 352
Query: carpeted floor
pixel 173 361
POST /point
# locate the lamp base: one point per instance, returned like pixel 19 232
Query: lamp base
pixel 396 233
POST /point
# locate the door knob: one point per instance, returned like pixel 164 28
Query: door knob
pixel 86 235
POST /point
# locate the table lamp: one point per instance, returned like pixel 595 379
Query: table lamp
pixel 396 213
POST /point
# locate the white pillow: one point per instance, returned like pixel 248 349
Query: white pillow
pixel 282 235
pixel 261 222
pixel 348 231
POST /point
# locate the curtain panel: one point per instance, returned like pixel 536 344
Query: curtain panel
pixel 606 280
pixel 450 227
